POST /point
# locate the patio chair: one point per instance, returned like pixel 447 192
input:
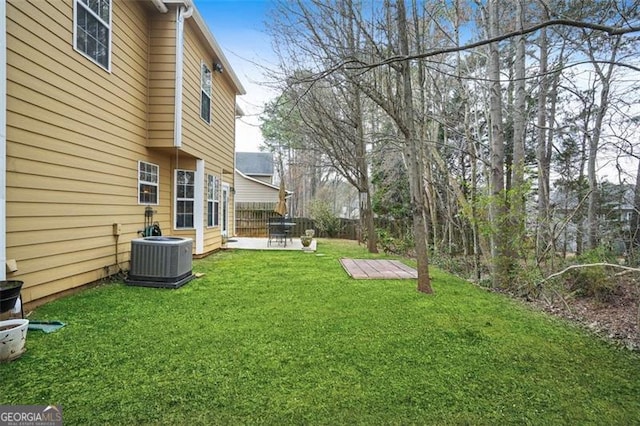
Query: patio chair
pixel 277 230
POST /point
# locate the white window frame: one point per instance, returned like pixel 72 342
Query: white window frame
pixel 205 91
pixel 83 5
pixel 213 201
pixel 184 199
pixel 146 177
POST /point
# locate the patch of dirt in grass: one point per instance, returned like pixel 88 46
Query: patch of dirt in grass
pixel 615 319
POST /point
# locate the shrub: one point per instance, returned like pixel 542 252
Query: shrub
pixel 525 282
pixel 385 241
pixel 391 245
pixel 592 281
pixel 458 265
pixel 325 221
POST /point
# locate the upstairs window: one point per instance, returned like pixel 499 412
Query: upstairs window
pixel 92 30
pixel 147 183
pixel 205 93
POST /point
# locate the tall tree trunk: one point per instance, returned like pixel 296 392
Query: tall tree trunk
pixel 471 146
pixel 580 215
pixel 544 164
pixel 498 211
pixel 635 221
pixel 605 78
pixel 592 205
pixel 412 153
pixel 362 169
pixel 552 100
pixel 471 202
pixel 517 204
pixel 366 211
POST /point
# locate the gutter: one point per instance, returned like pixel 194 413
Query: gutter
pixel 183 12
pixel 217 50
pixel 159 4
pixel 3 140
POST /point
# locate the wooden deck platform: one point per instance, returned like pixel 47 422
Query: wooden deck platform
pixel 377 269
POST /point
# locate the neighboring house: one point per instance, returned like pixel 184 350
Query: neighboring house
pixel 254 178
pixel 615 211
pixel 257 165
pixel 108 107
pixel 256 195
pixel 252 190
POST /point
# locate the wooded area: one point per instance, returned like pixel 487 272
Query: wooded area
pixel 504 132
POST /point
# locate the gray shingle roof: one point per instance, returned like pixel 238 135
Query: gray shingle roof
pixel 255 163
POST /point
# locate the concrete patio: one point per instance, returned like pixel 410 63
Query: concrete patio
pixel 246 243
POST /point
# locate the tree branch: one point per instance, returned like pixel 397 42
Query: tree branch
pixel 349 63
pixel 587 265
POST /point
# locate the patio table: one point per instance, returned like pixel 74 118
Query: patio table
pixel 279 229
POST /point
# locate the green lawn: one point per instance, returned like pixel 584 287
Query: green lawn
pixel 283 338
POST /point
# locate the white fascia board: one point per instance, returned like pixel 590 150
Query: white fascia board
pixel 3 139
pixel 217 50
pixel 212 42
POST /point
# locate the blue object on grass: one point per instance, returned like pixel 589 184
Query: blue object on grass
pixel 46 326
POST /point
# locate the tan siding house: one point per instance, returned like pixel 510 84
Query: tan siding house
pixel 254 190
pixel 104 112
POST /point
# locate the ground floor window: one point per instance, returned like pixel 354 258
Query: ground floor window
pixel 185 198
pixel 147 183
pixel 213 200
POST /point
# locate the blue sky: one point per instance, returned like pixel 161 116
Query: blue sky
pixel 231 15
pixel 238 26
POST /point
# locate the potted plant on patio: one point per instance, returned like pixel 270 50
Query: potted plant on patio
pixel 306 239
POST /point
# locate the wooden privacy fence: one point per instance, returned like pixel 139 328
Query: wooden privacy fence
pixel 252 219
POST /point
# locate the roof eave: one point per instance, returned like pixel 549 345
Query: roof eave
pixel 277 188
pixel 213 44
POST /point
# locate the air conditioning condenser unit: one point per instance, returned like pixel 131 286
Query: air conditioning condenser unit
pixel 160 262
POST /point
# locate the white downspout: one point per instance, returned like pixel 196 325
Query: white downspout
pixel 198 206
pixel 3 140
pixel 183 12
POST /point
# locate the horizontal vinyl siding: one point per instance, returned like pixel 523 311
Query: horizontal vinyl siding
pixel 75 133
pixel 47 44
pixel 162 76
pixel 248 191
pixel 214 142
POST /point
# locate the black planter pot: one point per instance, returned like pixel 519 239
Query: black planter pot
pixel 9 293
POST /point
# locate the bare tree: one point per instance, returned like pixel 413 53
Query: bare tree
pixel 517 205
pixel 406 123
pixel 449 106
pixel 604 75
